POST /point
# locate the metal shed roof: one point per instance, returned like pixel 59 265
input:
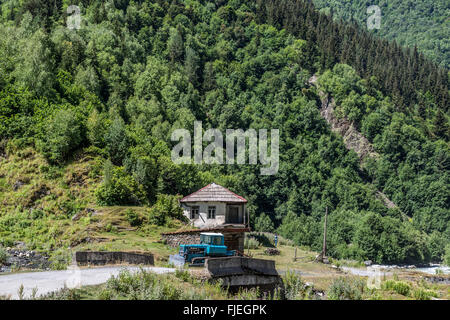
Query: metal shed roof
pixel 214 193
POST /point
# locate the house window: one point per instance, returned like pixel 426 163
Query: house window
pixel 211 212
pixel 194 212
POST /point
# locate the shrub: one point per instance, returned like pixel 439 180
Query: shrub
pixel 294 287
pixel 3 256
pixel 397 286
pixel 142 286
pixel 262 238
pixel 166 207
pixel 70 207
pixel 97 124
pixel 110 228
pixel 436 246
pixel 447 255
pixel 248 294
pixel 36 214
pixel 384 239
pixel 60 259
pixel 117 141
pixel 62 294
pixel 118 188
pixel 183 275
pixel 251 243
pixel 263 223
pixel 423 294
pixel 133 218
pixel 105 295
pixel 7 242
pixel 61 135
pixel 346 289
pixel 144 170
pixel 285 242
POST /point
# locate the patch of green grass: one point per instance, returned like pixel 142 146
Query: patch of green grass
pixel 294 286
pixel 251 243
pixel 145 285
pixel 423 294
pixel 399 287
pixel 346 289
pixel 60 259
pixel 133 218
pixel 84 293
pixel 3 255
pixel 39 210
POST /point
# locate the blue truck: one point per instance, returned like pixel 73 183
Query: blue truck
pixel 211 245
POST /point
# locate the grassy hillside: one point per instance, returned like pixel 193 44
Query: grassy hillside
pixel 53 210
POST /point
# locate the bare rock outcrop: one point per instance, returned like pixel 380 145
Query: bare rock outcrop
pixel 387 202
pixel 353 139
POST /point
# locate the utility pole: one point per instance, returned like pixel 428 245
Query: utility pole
pixel 324 250
pixel 321 256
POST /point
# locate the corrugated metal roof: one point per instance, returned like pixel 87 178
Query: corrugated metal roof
pixel 214 192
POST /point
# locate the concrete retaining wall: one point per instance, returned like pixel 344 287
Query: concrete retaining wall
pixel 240 266
pixel 238 272
pixel 83 258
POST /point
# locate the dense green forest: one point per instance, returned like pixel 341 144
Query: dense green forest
pixel 421 23
pixel 137 70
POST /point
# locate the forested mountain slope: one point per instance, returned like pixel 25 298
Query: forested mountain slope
pixel 421 23
pixel 115 90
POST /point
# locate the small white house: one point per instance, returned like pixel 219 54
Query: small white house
pixel 214 206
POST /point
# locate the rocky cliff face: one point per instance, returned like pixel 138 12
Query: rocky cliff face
pixel 353 139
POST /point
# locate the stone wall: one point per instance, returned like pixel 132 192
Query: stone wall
pixel 174 240
pixel 102 258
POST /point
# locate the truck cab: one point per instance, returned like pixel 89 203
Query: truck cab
pixel 211 245
pixel 213 239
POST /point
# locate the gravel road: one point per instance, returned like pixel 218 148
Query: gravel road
pixel 49 281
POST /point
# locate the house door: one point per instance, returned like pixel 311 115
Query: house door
pixel 233 215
